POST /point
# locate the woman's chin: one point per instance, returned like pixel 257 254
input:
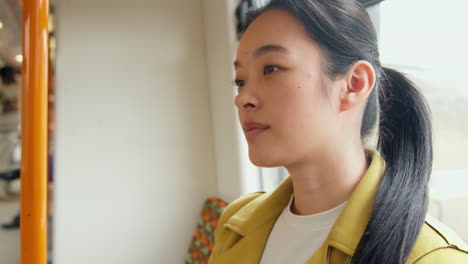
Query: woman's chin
pixel 264 160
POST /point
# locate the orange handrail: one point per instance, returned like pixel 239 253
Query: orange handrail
pixel 33 219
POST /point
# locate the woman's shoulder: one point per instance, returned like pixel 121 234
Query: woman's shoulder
pixel 222 234
pixel 237 204
pixel 437 243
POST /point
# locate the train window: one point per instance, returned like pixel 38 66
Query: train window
pixel 425 39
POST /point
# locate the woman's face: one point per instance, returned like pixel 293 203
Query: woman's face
pixel 281 104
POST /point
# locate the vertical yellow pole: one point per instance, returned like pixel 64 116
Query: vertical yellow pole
pixel 33 223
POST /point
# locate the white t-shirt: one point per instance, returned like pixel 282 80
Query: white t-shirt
pixel 295 238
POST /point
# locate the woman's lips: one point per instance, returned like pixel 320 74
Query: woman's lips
pixel 252 129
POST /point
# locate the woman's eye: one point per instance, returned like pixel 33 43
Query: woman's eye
pixel 239 83
pixel 269 69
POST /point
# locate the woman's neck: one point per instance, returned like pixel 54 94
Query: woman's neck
pixel 326 181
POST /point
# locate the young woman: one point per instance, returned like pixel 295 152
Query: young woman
pixel 311 90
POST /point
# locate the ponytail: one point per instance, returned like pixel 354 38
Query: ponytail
pixel 405 142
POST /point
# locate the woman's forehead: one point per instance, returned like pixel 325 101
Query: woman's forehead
pixel 274 28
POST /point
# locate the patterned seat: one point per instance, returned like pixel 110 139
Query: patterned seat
pixel 203 236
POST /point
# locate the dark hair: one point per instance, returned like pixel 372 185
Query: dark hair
pixel 345 34
pixel 7 74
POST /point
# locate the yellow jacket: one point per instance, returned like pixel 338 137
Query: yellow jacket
pixel 246 223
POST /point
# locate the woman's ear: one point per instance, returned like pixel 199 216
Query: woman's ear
pixel 360 80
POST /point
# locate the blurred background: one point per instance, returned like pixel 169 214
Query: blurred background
pixel 142 126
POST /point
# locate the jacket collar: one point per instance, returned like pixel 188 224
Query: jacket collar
pixel 348 228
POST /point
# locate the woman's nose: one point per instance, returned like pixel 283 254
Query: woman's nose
pixel 247 101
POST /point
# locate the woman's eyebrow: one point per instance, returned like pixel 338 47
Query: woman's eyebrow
pixel 263 50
